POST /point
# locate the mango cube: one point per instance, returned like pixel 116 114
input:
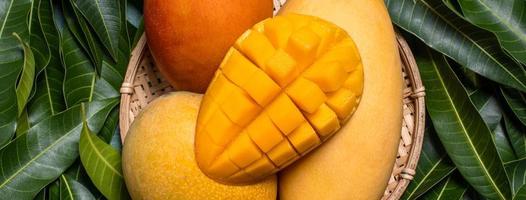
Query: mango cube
pixel 261 88
pixel 304 138
pixel 264 133
pixel 303 46
pixel 328 75
pixel 342 102
pixel 278 31
pixel 353 81
pixel 306 94
pixel 242 151
pixel 324 121
pixel 282 153
pixel 237 67
pixel 284 114
pixel 255 46
pixel 281 68
pixel 240 108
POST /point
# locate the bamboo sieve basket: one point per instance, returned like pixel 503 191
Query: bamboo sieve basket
pixel 143 83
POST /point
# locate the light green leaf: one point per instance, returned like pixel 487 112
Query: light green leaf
pixel 22 124
pixel 517 134
pixel 465 136
pixel 49 98
pixel 41 155
pixel 505 18
pixel 104 16
pixel 103 164
pixel 13 19
pixel 441 29
pixel 25 83
pixel 517 102
pixel 73 190
pixel 433 165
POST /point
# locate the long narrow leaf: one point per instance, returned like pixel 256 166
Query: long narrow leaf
pixel 505 18
pixel 517 133
pixel 49 98
pixel 461 129
pixel 41 155
pixel 27 77
pixel 503 144
pixel 103 164
pixel 73 190
pixel 13 15
pixel 104 17
pixel 37 42
pixel 443 30
pixel 517 174
pixel 517 102
pixel 521 194
pixel 433 166
pixel 451 188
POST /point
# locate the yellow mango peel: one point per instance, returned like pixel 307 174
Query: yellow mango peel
pixel 285 87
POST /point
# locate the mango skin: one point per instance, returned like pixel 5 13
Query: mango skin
pixel 188 38
pixel 158 156
pixel 357 162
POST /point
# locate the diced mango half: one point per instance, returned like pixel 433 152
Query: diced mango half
pixel 286 85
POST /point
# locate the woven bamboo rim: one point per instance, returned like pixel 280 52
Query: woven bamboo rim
pixel 143 83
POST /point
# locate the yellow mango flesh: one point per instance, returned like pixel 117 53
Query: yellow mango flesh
pixel 158 156
pixel 357 162
pixel 281 91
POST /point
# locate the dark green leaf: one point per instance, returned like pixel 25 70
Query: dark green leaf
pixel 70 189
pixel 13 15
pixel 517 174
pixel 505 18
pixel 521 194
pixel 487 106
pixel 104 17
pixel 78 173
pixel 108 130
pixel 465 136
pixel 37 42
pixel 48 99
pixel 517 102
pixel 83 34
pixel 453 187
pixel 503 144
pixel 517 134
pixel 41 155
pixel 54 190
pixel 103 164
pixel 27 77
pixel 443 30
pixel 433 165
pixel 42 195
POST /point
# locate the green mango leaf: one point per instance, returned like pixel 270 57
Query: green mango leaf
pixel 103 164
pixel 433 165
pixel 54 190
pixel 22 124
pixel 83 34
pixel 517 102
pixel 441 29
pixel 104 17
pixel 41 155
pixel 78 173
pixel 453 187
pixel 12 15
pixel 25 83
pixel 517 174
pixel 108 130
pixel 487 106
pixel 517 134
pixel 73 190
pixel 506 19
pixel 465 136
pixel 38 44
pixel 49 98
pixel 42 195
pixel 503 144
pixel 521 194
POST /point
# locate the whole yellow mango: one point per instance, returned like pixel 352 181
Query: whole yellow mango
pixel 357 162
pixel 158 156
pixel 286 86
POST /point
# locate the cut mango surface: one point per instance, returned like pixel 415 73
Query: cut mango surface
pixel 284 88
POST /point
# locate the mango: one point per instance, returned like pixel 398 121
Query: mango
pixel 188 38
pixel 158 156
pixel 286 86
pixel 357 162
